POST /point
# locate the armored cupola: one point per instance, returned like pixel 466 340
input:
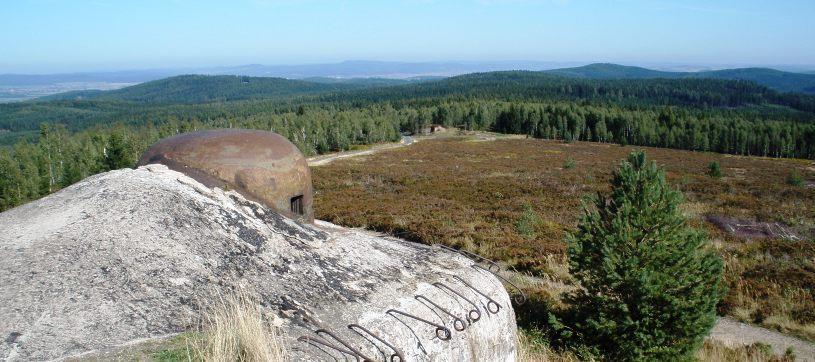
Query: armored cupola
pixel 262 166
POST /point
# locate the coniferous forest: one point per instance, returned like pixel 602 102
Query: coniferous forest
pixel 48 144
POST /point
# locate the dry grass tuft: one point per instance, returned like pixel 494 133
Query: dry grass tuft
pixel 718 352
pixel 235 330
pixel 532 350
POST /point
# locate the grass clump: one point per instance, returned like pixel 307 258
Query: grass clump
pixel 533 347
pixel 569 163
pixel 528 223
pixel 178 349
pixel 795 179
pixel 757 352
pixel 233 330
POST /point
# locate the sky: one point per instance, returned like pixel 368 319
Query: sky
pixel 49 36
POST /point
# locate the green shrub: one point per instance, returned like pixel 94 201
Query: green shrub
pixel 650 283
pixel 795 179
pixel 789 354
pixel 765 349
pixel 569 163
pixel 527 224
pixel 714 170
pixel 172 355
pixel 174 349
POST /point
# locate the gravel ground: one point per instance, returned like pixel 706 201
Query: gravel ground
pixel 729 331
pixel 328 158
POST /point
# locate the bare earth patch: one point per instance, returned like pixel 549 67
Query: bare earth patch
pixel 734 333
pixel 752 229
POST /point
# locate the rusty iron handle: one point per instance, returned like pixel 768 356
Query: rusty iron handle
pixel 354 351
pixel 473 315
pixel 397 356
pixel 471 255
pixel 458 323
pixel 520 299
pixel 490 302
pixel 312 340
pixel 441 331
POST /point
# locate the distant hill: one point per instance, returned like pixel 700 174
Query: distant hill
pixel 380 69
pixel 224 88
pixel 16 87
pixel 775 79
pixel 598 82
pixel 135 76
pixel 698 92
pixel 355 69
pixel 205 89
pixel 371 82
pixel 210 97
pixel 611 71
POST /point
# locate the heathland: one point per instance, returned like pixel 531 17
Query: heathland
pixel 514 199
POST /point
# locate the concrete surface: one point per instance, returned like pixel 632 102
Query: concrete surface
pixel 134 254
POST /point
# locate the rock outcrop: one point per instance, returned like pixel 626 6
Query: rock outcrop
pixel 135 254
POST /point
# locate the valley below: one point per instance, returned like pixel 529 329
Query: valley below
pixel 18 93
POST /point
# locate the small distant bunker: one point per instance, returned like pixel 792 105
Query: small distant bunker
pixel 431 129
pixel 261 166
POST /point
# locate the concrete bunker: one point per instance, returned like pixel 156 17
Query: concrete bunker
pixel 262 166
pixel 131 255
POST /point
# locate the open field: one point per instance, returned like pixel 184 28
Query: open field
pixel 514 200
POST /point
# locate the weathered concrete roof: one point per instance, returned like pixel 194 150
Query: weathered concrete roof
pixel 133 254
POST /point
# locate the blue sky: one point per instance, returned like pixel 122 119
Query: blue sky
pixel 82 35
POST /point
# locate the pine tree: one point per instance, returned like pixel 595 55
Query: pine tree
pixel 10 181
pixel 649 282
pixel 714 170
pixel 117 152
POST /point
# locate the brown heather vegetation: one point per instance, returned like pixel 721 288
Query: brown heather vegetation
pixel 532 350
pixel 514 199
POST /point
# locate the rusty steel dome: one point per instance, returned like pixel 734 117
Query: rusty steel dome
pixel 262 166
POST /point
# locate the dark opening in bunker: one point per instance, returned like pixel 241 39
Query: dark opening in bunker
pixel 297 205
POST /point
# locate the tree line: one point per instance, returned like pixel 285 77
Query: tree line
pixel 61 141
pixel 29 170
pixel 666 127
pixel 209 98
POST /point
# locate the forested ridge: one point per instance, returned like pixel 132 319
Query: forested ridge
pixel 207 89
pixel 202 97
pixel 69 139
pixel 771 78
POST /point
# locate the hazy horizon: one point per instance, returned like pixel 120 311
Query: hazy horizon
pixel 55 36
pixel 524 65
